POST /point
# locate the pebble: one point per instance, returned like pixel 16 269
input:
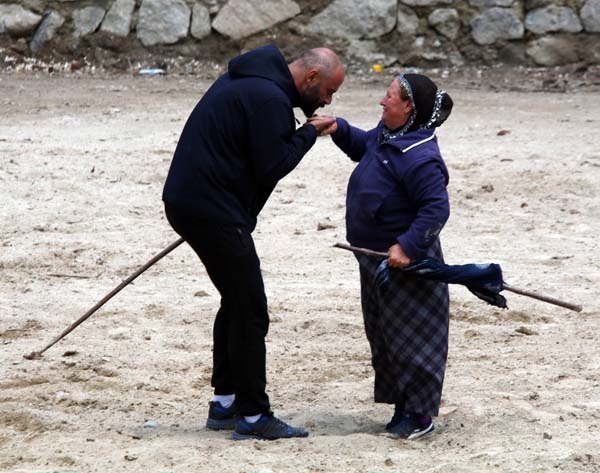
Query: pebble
pixel 525 331
pixel 325 225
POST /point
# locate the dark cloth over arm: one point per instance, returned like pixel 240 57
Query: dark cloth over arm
pixel 483 280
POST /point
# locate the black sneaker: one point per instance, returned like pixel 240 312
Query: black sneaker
pixel 268 427
pixel 219 417
pixel 412 427
pixel 396 418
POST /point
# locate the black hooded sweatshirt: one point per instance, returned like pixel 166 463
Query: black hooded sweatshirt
pixel 239 141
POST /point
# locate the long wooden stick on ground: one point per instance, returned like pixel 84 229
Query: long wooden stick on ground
pixel 38 354
pixel 522 292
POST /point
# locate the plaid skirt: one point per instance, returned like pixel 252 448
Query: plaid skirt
pixel 407 329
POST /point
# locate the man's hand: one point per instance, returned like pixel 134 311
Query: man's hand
pixel 325 125
pixel 397 258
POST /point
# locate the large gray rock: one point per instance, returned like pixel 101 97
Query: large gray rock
pixel 491 3
pixel 369 52
pixel 590 16
pixel 552 19
pixel 37 6
pixel 17 21
pixel 588 49
pixel 496 24
pixel 163 21
pixel 241 18
pixel 425 3
pixel 200 21
pixel 118 19
pixel 213 6
pixel 425 52
pixel 407 21
pixel 445 21
pixel 551 51
pixel 355 19
pixel 50 24
pixel 87 20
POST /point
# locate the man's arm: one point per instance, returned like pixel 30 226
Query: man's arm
pixel 275 146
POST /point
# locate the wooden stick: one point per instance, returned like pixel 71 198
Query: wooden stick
pixel 356 249
pixel 543 298
pixel 38 354
pixel 522 292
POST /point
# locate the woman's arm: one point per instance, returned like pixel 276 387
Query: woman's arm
pixel 350 139
pixel 426 185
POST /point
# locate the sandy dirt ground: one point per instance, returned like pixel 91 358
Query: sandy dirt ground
pixel 82 164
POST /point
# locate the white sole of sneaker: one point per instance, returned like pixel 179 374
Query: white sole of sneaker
pixel 422 433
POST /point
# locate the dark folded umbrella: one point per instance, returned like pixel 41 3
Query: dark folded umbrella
pixel 483 280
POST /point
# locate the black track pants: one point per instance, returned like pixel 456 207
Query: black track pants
pixel 229 256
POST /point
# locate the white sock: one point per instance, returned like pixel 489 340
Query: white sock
pixel 252 419
pixel 226 400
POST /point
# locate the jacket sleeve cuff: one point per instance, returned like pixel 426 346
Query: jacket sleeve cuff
pixel 342 127
pixel 407 246
pixel 310 130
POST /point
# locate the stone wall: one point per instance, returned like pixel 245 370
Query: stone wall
pixel 407 32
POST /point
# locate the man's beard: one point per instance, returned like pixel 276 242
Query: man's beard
pixel 309 101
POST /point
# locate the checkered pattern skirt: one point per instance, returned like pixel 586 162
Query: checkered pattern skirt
pixel 407 328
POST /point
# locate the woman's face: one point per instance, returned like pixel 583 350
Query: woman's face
pixel 396 111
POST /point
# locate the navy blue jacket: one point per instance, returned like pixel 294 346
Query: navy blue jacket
pixel 397 192
pixel 239 141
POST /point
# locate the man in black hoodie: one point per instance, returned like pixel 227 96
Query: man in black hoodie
pixel 239 141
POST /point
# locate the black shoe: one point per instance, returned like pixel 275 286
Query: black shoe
pixel 412 427
pixel 268 427
pixel 396 418
pixel 219 417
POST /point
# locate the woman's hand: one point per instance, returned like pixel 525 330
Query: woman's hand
pixel 325 125
pixel 397 258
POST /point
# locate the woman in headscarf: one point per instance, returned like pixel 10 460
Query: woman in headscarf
pixel 397 203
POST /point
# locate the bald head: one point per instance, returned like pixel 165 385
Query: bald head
pixel 323 59
pixel 317 74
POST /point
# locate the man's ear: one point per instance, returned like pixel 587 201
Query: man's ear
pixel 312 77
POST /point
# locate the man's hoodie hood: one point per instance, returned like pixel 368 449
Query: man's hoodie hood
pixel 266 62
